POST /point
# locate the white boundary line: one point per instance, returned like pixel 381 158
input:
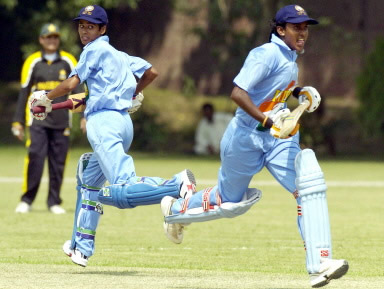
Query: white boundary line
pixel 212 182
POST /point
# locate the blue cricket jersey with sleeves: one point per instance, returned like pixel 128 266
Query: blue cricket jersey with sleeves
pixel 268 69
pixel 109 74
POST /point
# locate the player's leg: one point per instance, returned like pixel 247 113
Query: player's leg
pixel 34 163
pixel 57 154
pixel 298 172
pixel 111 136
pixel 315 221
pixel 141 191
pixel 88 210
pixel 231 198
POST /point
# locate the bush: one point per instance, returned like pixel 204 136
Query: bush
pixel 370 91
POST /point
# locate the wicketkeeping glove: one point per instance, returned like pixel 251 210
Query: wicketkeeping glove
pixel 310 93
pixel 136 102
pixel 39 98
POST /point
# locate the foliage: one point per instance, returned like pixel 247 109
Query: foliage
pixel 370 91
pixel 34 14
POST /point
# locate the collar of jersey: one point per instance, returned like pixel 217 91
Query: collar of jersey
pixel 98 39
pixel 282 44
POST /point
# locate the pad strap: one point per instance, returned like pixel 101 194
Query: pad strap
pixel 86 234
pixel 92 206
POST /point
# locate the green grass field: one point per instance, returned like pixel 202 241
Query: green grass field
pixel 261 249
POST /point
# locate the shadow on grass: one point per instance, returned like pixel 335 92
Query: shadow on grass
pixel 109 273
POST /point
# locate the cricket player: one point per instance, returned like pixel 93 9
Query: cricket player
pixel 110 76
pixel 48 139
pixel 252 141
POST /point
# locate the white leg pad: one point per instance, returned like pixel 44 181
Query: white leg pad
pixel 224 210
pixel 311 187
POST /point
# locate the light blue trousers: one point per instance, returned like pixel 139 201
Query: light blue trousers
pixel 110 135
pixel 245 152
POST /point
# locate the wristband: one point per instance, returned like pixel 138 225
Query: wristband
pixel 267 122
pixel 296 91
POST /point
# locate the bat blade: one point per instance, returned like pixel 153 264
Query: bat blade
pixel 291 120
pixel 75 102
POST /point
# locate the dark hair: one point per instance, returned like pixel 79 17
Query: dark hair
pixel 274 25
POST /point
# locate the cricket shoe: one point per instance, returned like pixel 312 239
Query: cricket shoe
pixel 79 258
pixel 57 210
pixel 188 184
pixel 23 208
pixel 67 248
pixel 329 269
pixel 174 232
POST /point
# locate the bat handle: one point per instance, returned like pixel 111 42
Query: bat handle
pixel 68 104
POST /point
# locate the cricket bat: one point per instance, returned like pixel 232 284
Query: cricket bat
pixel 291 120
pixel 75 102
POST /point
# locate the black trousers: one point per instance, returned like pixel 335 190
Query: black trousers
pixel 45 143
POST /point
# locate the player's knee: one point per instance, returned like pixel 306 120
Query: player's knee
pixel 309 176
pixel 115 195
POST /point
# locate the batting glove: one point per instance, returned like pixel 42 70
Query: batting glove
pixel 312 95
pixel 39 98
pixel 278 120
pixel 136 102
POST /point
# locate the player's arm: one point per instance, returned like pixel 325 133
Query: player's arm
pixel 64 87
pixel 242 99
pixel 148 76
pixel 19 117
pixel 42 98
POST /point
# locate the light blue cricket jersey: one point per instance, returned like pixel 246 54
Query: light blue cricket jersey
pixel 109 74
pixel 268 69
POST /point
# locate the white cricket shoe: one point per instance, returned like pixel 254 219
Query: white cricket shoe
pixel 67 248
pixel 174 232
pixel 188 184
pixel 57 210
pixel 23 208
pixel 329 269
pixel 79 258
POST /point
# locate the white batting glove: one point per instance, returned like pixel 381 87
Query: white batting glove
pixel 278 120
pixel 136 102
pixel 39 98
pixel 312 95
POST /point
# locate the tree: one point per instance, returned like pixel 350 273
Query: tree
pixel 24 18
pixel 370 91
pixel 232 29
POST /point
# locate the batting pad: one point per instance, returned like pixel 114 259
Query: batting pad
pixel 311 186
pixel 127 196
pixel 98 181
pixel 88 220
pixel 213 212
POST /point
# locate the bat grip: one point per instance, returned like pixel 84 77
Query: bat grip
pixel 68 104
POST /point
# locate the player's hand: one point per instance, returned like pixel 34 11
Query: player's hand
pixel 18 131
pixel 39 98
pixel 278 119
pixel 312 95
pixel 136 102
pixel 83 125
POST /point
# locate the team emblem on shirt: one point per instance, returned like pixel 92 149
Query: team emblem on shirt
pixel 300 10
pixel 88 10
pixel 62 74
